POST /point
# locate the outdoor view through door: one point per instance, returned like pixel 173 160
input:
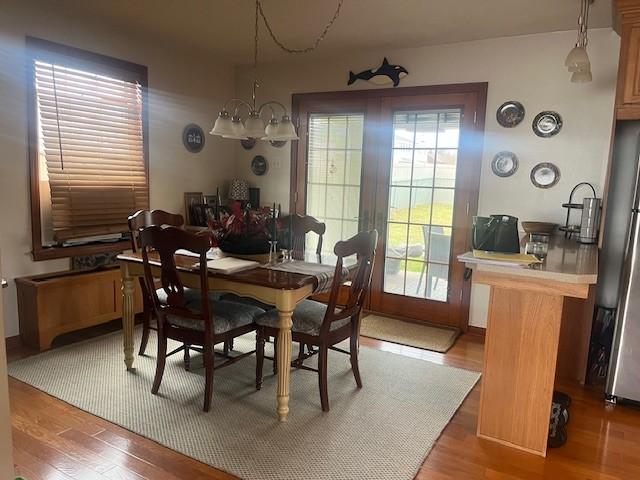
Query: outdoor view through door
pixel 405 161
pixel 420 206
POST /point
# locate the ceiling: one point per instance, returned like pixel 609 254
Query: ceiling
pixel 226 26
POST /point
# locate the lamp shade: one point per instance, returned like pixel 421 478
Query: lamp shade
pixel 271 130
pixel 577 59
pixel 286 130
pixel 239 190
pixel 223 124
pixel 582 76
pixel 237 129
pixel 254 126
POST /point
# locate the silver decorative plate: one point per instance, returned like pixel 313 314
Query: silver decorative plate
pixel 547 124
pixel 504 164
pixel 510 114
pixel 545 175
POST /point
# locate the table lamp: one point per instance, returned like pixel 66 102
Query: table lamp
pixel 239 190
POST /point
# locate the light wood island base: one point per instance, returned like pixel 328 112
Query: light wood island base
pixel 527 310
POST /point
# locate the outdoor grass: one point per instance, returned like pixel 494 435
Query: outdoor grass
pixel 442 215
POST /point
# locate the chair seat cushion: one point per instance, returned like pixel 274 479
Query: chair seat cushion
pixel 307 318
pixel 225 315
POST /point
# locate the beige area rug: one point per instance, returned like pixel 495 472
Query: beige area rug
pixel 383 431
pixel 438 339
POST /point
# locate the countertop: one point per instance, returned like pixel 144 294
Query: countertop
pixel 567 261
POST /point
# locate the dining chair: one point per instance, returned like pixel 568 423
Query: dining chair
pixel 437 249
pixel 324 326
pixel 201 320
pixel 138 221
pixel 301 226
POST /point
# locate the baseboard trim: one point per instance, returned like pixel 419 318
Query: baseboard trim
pixel 476 331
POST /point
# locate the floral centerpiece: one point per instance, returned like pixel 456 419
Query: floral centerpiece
pixel 243 231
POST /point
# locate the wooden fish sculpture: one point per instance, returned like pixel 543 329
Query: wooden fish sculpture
pixel 393 73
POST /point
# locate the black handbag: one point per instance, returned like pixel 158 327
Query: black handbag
pixel 496 233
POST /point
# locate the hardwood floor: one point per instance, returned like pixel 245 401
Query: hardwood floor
pixel 54 441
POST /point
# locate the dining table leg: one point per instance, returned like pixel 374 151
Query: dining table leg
pixel 128 315
pixel 285 305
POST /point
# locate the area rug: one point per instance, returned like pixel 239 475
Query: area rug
pixel 427 337
pixel 383 431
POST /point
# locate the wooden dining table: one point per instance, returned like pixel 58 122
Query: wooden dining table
pixel 282 289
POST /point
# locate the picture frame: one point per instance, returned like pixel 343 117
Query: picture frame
pixel 191 199
pixel 211 200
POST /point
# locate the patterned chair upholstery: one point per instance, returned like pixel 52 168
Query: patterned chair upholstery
pixel 225 315
pixel 307 318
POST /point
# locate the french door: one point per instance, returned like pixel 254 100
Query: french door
pixel 406 162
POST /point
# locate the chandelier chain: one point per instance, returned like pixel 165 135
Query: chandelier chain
pixel 283 46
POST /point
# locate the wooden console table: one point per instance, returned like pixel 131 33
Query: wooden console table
pixel 539 325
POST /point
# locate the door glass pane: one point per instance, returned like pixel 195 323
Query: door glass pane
pixel 421 199
pixel 423 167
pixel 334 167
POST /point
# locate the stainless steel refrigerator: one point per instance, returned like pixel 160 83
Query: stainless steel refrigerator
pixel 619 272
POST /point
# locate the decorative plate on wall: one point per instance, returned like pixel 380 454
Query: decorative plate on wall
pixel 193 138
pixel 545 175
pixel 278 143
pixel 504 164
pixel 510 114
pixel 259 165
pixel 547 124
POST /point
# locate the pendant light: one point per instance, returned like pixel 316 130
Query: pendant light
pixel 577 61
pixel 229 125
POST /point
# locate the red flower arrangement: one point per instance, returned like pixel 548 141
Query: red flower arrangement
pixel 242 231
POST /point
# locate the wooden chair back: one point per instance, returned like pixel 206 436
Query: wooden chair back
pixel 164 241
pixel 301 225
pixel 145 218
pixel 363 245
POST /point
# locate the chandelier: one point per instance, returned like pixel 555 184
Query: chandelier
pixel 232 125
pixel 577 61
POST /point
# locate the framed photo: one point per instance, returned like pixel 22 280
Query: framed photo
pixel 211 200
pixel 191 199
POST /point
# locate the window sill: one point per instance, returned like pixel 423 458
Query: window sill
pixel 40 253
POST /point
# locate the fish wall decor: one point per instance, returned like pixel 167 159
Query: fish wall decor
pixel 384 74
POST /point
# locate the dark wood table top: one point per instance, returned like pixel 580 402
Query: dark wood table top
pixel 256 276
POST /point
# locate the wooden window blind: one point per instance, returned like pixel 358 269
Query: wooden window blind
pixel 91 136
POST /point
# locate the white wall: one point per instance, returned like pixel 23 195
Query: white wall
pixel 528 68
pixel 184 87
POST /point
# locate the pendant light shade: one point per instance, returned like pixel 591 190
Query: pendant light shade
pixel 254 126
pixel 237 131
pixel 271 130
pixel 577 61
pixel 286 130
pixel 222 126
pixel 581 76
pixel 577 57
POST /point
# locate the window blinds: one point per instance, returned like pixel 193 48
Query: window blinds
pixel 91 135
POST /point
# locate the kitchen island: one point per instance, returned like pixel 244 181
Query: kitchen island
pixel 538 328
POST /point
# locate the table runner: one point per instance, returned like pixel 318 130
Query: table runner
pixel 323 273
